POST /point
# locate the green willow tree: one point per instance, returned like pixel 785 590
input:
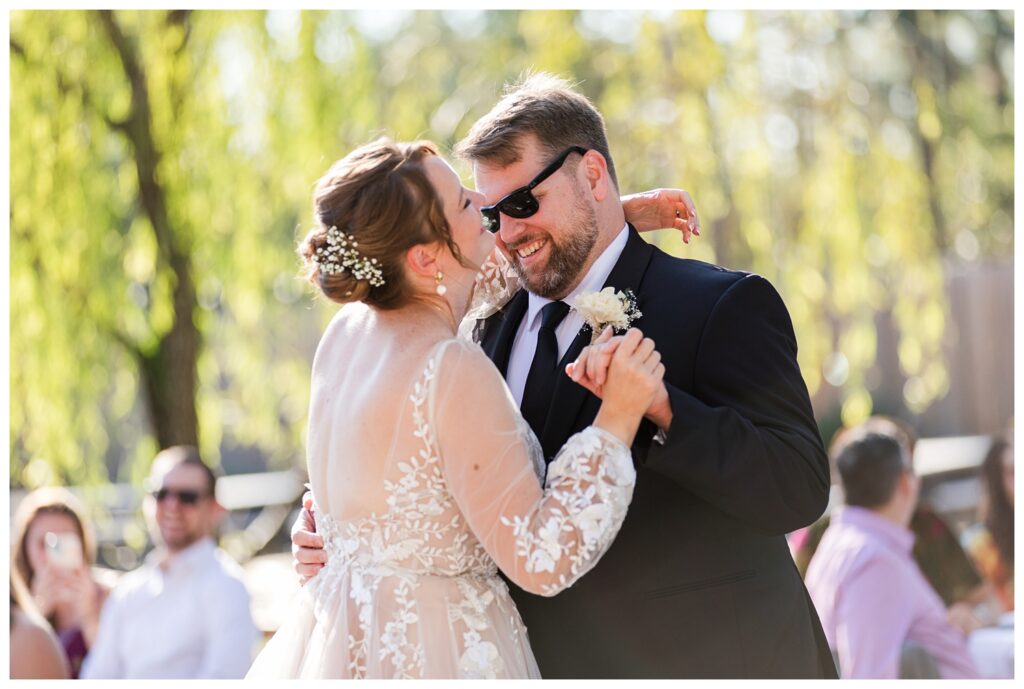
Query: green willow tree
pixel 163 162
pixel 152 259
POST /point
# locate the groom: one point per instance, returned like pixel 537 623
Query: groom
pixel 699 581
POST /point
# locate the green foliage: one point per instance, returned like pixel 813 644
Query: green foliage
pixel 840 154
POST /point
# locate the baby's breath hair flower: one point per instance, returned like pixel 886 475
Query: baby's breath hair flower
pixel 342 253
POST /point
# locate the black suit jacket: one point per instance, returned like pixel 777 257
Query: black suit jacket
pixel 699 581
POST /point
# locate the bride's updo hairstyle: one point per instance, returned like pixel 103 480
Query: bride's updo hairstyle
pixel 379 195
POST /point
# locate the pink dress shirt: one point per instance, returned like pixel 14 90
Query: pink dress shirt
pixel 872 599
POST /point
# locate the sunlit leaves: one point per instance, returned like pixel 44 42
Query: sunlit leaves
pixel 844 155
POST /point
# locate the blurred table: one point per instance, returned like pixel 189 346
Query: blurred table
pixel 992 648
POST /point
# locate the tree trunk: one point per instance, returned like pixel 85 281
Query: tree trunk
pixel 168 372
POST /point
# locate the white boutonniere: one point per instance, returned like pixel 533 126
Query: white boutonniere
pixel 607 307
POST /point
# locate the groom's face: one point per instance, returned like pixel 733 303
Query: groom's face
pixel 550 249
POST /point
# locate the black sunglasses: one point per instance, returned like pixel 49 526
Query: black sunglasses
pixel 184 497
pixel 521 203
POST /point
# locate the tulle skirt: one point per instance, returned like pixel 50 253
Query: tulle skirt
pixel 382 623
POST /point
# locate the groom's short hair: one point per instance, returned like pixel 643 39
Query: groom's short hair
pixel 545 106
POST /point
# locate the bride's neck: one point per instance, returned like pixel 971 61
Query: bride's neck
pixel 432 312
pixel 455 300
pixel 459 289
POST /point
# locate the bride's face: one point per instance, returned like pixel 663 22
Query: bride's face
pixel 461 210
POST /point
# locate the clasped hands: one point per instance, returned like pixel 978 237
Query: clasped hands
pixel 637 355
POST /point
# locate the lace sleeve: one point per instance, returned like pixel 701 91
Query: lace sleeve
pixel 588 489
pixel 495 285
pixel 543 538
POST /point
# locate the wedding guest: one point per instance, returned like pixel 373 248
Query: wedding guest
pixel 990 543
pixel 937 550
pixel 54 550
pixel 185 613
pixel 35 652
pixel 876 606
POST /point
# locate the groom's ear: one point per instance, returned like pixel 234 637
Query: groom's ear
pixel 422 260
pixel 595 169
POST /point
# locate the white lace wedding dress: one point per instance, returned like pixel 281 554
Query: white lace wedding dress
pixel 426 480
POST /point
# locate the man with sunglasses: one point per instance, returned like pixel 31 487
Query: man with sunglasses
pixel 185 613
pixel 699 581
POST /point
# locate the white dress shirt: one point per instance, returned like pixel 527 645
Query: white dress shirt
pixel 185 618
pixel 525 344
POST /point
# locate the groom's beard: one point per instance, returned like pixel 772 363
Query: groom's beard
pixel 566 259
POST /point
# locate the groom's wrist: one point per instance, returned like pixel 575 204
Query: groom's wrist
pixel 660 414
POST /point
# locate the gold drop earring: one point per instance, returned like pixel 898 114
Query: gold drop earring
pixel 439 288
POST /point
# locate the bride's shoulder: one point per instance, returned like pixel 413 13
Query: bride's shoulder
pixel 351 320
pixel 464 358
pixel 351 323
pixel 463 375
pixel 355 314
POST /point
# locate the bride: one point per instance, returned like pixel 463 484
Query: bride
pixel 425 477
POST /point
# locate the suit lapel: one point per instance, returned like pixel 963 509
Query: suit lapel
pixel 501 331
pixel 568 397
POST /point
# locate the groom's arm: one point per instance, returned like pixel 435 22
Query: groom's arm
pixel 746 440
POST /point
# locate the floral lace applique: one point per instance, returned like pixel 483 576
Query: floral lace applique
pixel 378 562
pixel 422 533
pixel 495 285
pixel 589 498
pixel 481 659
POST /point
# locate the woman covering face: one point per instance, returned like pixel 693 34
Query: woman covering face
pixel 54 553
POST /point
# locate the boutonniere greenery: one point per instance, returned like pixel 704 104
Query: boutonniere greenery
pixel 607 307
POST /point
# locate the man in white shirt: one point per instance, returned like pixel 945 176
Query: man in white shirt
pixel 185 612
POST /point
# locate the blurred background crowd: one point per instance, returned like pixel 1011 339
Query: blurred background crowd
pixel 161 171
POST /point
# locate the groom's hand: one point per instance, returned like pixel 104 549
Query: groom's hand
pixel 307 546
pixel 591 371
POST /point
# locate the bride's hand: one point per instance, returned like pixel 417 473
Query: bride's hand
pixel 631 382
pixel 591 370
pixel 591 367
pixel 662 208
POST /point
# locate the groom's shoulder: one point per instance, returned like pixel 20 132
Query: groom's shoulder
pixel 706 285
pixel 711 279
